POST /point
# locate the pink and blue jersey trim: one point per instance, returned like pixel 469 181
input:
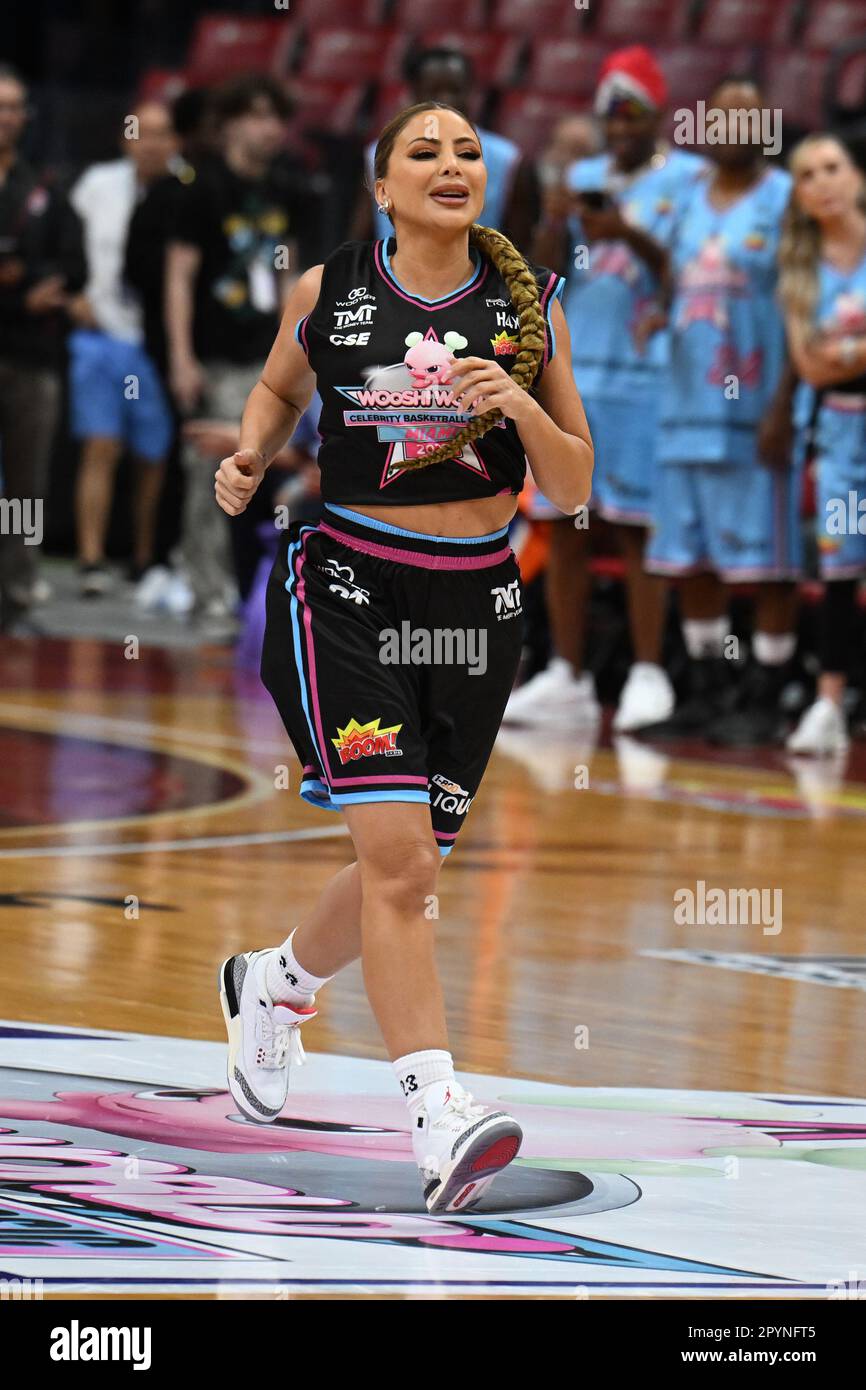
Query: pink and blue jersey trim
pixel 552 290
pixel 382 262
pixel 301 334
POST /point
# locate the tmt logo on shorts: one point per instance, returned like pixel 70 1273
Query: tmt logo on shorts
pixel 507 600
pixel 366 741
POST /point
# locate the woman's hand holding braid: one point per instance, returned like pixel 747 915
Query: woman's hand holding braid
pixel 480 385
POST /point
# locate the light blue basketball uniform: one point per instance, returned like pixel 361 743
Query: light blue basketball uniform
pixel 717 507
pixel 501 158
pixel 840 433
pixel 609 291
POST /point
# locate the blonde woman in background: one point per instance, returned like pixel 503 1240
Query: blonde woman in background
pixel 823 290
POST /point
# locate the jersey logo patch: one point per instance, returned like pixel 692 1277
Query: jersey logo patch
pixel 411 407
pixel 504 344
pixel 366 741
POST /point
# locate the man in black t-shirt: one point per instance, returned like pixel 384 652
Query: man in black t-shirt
pixel 231 260
pixel 42 271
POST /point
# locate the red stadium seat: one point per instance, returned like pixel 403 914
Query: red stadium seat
pixel 536 17
pixel 457 14
pixel 342 14
pixel 161 84
pixel 393 96
pixel 527 118
pixel 850 85
pixel 692 72
pixel 353 55
pixel 328 106
pixel 643 21
pixel 390 98
pixel 566 67
pixel 793 81
pixel 494 56
pixel 224 45
pixel 832 22
pixel 748 21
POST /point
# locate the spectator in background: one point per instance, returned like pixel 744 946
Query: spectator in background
pixel 41 266
pixel 153 217
pixel 230 263
pixel 572 138
pixel 511 202
pixel 823 290
pixel 116 397
pixel 612 249
pixel 726 500
pixel 144 270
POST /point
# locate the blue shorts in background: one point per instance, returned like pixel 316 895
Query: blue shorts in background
pixel 623 478
pixel 738 521
pixel 115 393
pixel 840 486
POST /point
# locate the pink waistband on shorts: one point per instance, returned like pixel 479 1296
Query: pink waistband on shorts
pixel 421 559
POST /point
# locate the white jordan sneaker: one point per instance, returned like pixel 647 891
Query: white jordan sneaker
pixel 647 698
pixel 264 1038
pixel 555 699
pixel 822 731
pixel 462 1149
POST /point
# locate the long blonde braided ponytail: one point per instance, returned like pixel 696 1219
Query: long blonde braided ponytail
pixel 522 288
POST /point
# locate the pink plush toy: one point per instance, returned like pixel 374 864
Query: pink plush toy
pixel 428 360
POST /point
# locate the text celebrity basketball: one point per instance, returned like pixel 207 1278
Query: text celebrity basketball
pixel 434 358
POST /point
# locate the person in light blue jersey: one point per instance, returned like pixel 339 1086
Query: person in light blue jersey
pixel 823 293
pixel 608 230
pixel 511 199
pixel 726 499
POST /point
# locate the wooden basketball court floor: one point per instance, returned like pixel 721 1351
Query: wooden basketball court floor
pixel 692 1094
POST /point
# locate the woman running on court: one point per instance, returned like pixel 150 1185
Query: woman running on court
pixel 394 625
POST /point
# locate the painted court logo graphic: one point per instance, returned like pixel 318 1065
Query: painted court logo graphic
pixel 412 407
pixel 367 741
pixel 124 1165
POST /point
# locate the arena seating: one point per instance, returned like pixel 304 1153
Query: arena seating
pixel 533 58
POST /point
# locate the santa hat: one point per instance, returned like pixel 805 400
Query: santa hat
pixel 631 74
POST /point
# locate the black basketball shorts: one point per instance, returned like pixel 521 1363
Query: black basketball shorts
pixel 390 656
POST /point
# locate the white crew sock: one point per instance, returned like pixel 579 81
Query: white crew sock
pixel 424 1076
pixel 286 981
pixel 705 637
pixel 774 648
pixel 558 665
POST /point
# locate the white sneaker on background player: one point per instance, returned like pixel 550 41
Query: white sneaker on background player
pixel 460 1146
pixel 264 1038
pixel 555 699
pixel 822 731
pixel 646 698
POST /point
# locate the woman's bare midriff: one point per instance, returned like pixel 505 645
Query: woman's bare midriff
pixel 472 518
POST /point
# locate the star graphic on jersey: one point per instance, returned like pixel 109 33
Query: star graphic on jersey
pixel 412 408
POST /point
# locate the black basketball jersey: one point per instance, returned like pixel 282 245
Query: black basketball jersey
pixel 379 354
